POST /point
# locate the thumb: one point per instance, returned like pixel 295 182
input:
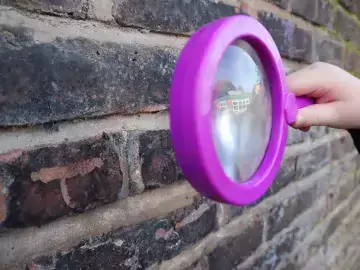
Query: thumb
pixel 316 115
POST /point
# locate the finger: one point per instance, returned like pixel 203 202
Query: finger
pixel 306 129
pixel 314 80
pixel 317 115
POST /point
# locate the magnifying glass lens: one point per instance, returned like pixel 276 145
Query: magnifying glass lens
pixel 242 113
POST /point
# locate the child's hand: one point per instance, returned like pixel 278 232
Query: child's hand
pixel 336 94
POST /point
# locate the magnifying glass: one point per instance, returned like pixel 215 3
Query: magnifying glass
pixel 230 110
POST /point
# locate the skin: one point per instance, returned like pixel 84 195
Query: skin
pixel 336 93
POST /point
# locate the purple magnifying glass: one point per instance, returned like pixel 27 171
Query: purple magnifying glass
pixel 230 110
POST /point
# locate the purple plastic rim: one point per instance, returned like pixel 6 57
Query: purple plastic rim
pixel 191 105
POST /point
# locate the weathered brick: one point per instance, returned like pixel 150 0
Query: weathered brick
pixel 330 51
pixel 158 163
pixel 69 78
pixel 292 42
pixel 285 175
pixel 280 216
pixel 312 161
pixel 235 250
pixel 347 27
pixel 54 181
pixel 72 8
pixel 317 11
pixel 295 136
pixel 182 16
pixel 341 147
pixel 352 63
pixel 202 264
pixel 3 208
pixel 351 5
pixel 281 3
pixel 140 246
pixel 276 253
pixel 317 132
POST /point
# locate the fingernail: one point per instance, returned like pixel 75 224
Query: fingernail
pixel 300 121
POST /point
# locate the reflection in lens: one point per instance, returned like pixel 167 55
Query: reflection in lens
pixel 241 111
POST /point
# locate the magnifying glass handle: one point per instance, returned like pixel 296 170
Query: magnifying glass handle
pixel 302 101
pixel 293 104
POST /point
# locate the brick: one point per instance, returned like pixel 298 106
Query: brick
pixel 276 253
pixel 53 181
pixel 280 216
pixel 234 250
pixel 312 161
pixel 202 264
pixel 157 159
pixel 316 11
pixel 325 14
pixel 330 51
pixel 182 16
pixel 78 77
pixel 317 132
pixel 281 3
pixel 305 8
pixel 295 136
pixel 139 246
pixel 236 211
pixel 347 27
pixel 72 8
pixel 351 5
pixel 352 63
pixel 292 42
pixel 285 175
pixel 341 147
pixel 3 210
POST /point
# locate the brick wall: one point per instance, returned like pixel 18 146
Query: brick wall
pixel 88 178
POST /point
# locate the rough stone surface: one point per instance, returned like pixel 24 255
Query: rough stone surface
pixel 53 181
pixel 317 11
pixel 285 175
pixel 280 216
pixel 341 147
pixel 292 42
pixel 312 161
pixel 235 250
pixel 158 163
pixel 69 78
pixel 347 27
pixel 71 8
pixel 353 62
pixel 281 3
pixel 140 246
pixel 330 51
pixel 351 5
pixel 182 16
pixel 3 208
pixel 295 136
pixel 202 264
pixel 276 253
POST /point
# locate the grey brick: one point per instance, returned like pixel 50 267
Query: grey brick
pixel 70 78
pixel 181 16
pixel 292 42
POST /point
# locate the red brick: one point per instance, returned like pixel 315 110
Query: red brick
pixel 53 181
